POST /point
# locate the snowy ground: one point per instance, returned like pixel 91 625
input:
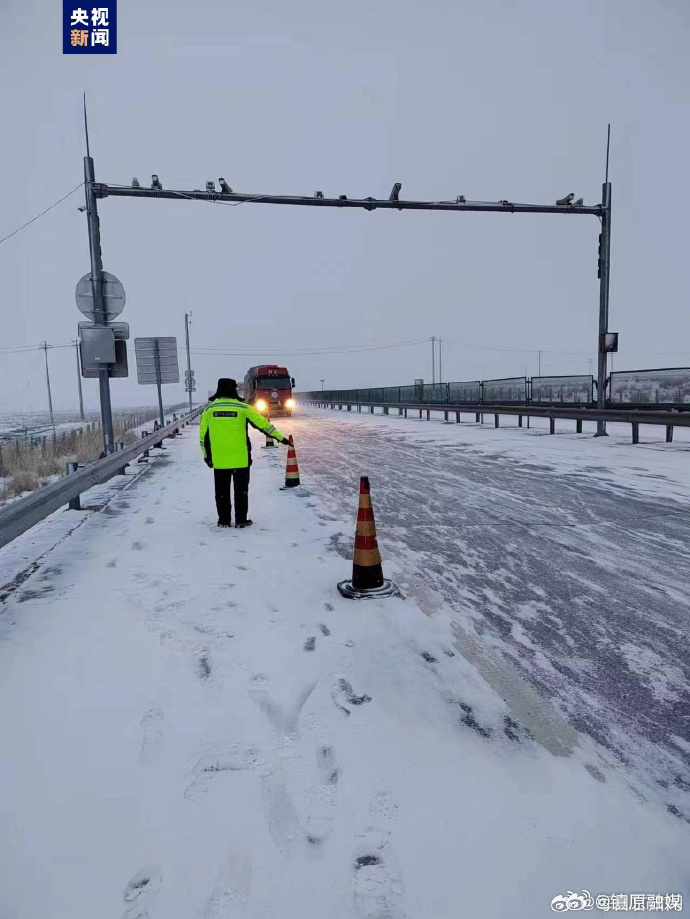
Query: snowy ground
pixel 197 726
pixel 566 555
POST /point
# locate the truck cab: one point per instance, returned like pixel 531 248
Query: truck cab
pixel 268 387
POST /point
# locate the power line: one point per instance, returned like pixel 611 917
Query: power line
pixel 471 344
pixel 340 349
pixel 20 349
pixel 33 219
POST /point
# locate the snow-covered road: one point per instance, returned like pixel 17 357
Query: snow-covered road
pixel 197 726
pixel 567 555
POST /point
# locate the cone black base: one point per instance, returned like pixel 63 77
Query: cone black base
pixel 387 589
pixel 367 577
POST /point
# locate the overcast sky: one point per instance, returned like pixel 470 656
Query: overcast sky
pixel 488 99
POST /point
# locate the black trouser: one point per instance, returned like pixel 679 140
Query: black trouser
pixel 223 477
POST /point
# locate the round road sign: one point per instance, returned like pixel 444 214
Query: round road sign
pixel 113 294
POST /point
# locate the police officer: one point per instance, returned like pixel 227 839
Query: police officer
pixel 226 448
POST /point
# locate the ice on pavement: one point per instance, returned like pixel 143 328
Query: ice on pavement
pixel 196 724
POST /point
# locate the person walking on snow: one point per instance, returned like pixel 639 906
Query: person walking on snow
pixel 226 448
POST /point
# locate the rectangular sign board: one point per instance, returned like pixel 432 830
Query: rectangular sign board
pixel 119 369
pixel 162 368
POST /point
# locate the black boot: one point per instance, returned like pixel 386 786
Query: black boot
pixel 245 523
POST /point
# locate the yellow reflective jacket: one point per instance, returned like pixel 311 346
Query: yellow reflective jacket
pixel 223 433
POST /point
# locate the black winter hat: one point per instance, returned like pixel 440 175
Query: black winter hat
pixel 227 389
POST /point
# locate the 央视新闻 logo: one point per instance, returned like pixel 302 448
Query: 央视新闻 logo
pixel 89 29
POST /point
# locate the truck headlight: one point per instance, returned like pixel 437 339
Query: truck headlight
pixel 261 405
pixel 289 403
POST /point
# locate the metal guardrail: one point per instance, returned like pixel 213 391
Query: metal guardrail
pixel 665 387
pixel 26 512
pixel 669 418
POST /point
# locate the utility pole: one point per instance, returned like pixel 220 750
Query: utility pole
pixel 433 359
pixel 189 364
pixel 604 271
pixel 81 396
pixel 322 382
pixel 45 346
pixel 539 359
pixel 440 362
pixel 100 313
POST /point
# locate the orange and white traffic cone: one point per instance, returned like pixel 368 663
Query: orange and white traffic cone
pixel 291 468
pixel 269 440
pixel 367 573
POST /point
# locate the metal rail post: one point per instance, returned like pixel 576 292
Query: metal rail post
pixel 75 503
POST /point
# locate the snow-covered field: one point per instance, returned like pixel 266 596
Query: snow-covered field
pixel 197 726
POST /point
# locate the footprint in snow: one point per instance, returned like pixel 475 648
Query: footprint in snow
pixel 112 563
pixel 344 695
pixel 469 720
pixel 377 880
pixel 235 758
pixel 329 607
pixel 515 731
pixel 232 887
pixel 139 892
pixel 310 643
pixel 279 810
pixel 595 772
pixel 137 545
pixel 149 520
pixel 285 723
pixel 204 667
pixel 324 797
pixel 151 735
pixel 324 629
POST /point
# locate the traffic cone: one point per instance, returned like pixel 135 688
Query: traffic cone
pixel 291 468
pixel 269 440
pixel 367 573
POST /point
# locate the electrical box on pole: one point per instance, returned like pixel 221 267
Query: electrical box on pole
pixel 97 346
pixel 611 342
pixel 91 361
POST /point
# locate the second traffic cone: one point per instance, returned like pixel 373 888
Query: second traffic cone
pixel 269 440
pixel 291 468
pixel 367 572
